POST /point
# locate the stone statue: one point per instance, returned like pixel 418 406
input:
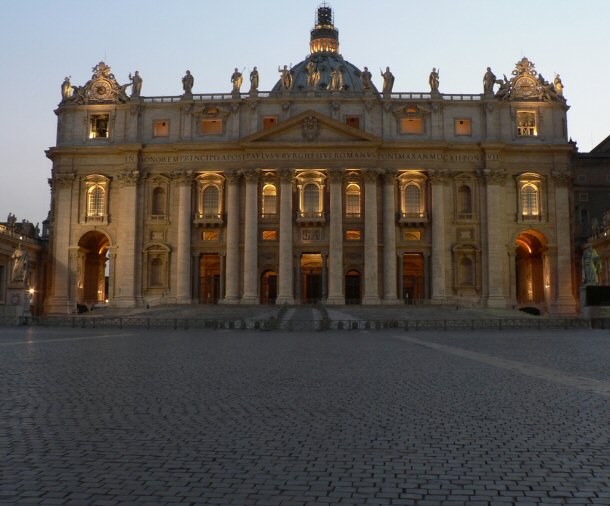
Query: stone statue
pixel 11 220
pixel 489 79
pixel 286 77
pixel 313 74
pixel 237 79
pixel 336 79
pixel 388 80
pixel 558 85
pixel 254 79
pixel 367 79
pixel 591 266
pixel 504 90
pixel 66 89
pixel 187 83
pixel 21 266
pixel 136 82
pixel 433 80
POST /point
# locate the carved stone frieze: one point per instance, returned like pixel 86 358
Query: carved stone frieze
pixel 527 84
pixel 311 128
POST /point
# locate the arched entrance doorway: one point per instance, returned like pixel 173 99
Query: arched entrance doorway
pixel 311 275
pixel 353 287
pixel 530 267
pixel 92 273
pixel 210 278
pixel 269 287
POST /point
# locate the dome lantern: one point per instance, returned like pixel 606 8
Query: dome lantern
pixel 324 37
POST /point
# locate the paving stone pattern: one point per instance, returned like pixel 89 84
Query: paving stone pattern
pixel 268 418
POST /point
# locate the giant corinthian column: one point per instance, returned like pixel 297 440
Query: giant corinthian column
pixel 232 248
pixel 285 293
pixel 183 250
pixel 371 261
pixel 251 239
pixel 438 266
pixel 335 256
pixel 389 238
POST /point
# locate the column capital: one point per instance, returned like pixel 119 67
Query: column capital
pixel 561 178
pixel 232 176
pixel 335 176
pixel 182 177
pixel 371 174
pixel 389 176
pixel 438 176
pixel 285 175
pixel 251 175
pixel 62 181
pixel 495 176
pixel 128 178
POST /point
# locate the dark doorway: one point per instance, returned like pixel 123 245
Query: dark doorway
pixel 210 278
pixel 413 277
pixel 92 287
pixel 311 272
pixel 352 287
pixel 269 284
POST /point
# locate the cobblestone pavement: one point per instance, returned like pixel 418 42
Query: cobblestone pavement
pixel 384 417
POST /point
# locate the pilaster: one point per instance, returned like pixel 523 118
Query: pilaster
pixel 184 181
pixel 439 295
pixel 232 247
pixel 389 238
pixel 371 258
pixel 285 282
pixel 251 239
pixel 336 293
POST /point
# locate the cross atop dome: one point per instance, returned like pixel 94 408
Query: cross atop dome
pixel 324 37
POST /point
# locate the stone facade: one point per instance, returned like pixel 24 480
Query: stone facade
pixel 323 189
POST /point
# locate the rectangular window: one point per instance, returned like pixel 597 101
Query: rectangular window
pixel 269 121
pixel 463 127
pixel 269 235
pixel 412 126
pixel 583 197
pixel 353 235
pixel 210 235
pixel 581 178
pixel 526 124
pixel 98 128
pixel 412 235
pixel 353 121
pixel 161 128
pixel 211 127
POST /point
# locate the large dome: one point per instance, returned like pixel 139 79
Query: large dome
pixel 324 69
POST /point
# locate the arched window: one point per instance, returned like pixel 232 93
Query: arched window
pixel 95 202
pixel 464 200
pixel 156 272
pixel 311 198
pixel 529 200
pixel 158 201
pixel 211 201
pixel 269 200
pixel 412 201
pixel 352 200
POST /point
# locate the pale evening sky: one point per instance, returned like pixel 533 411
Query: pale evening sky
pixel 43 41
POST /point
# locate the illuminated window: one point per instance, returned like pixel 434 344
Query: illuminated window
pixel 353 235
pixel 158 202
pixel 269 200
pixel 210 235
pixel 269 235
pixel 529 200
pixel 526 124
pixel 269 121
pixel 161 128
pixel 210 201
pixel 95 202
pixel 412 202
pixel 463 127
pixel 98 128
pixel 412 126
pixel 311 198
pixel 211 127
pixel 353 121
pixel 352 200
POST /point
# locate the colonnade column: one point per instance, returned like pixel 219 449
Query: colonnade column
pixel 496 242
pixel 371 262
pixel 285 293
pixel 336 293
pixel 438 238
pixel 389 238
pixel 251 239
pixel 126 239
pixel 58 301
pixel 563 298
pixel 231 295
pixel 183 250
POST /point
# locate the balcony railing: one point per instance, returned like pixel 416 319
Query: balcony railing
pixel 413 218
pixel 209 219
pixel 310 217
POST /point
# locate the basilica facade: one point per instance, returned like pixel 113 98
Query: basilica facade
pixel 324 189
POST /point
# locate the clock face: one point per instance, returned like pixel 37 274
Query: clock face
pixel 101 89
pixel 525 87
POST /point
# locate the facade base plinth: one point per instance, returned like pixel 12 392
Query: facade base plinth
pixel 230 300
pixel 335 300
pixel 249 299
pixel 284 300
pixel 59 305
pixel 497 302
pixel 371 301
pixel 565 306
pixel 124 302
pixel 391 301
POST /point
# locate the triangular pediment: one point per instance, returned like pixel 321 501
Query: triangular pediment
pixel 311 127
